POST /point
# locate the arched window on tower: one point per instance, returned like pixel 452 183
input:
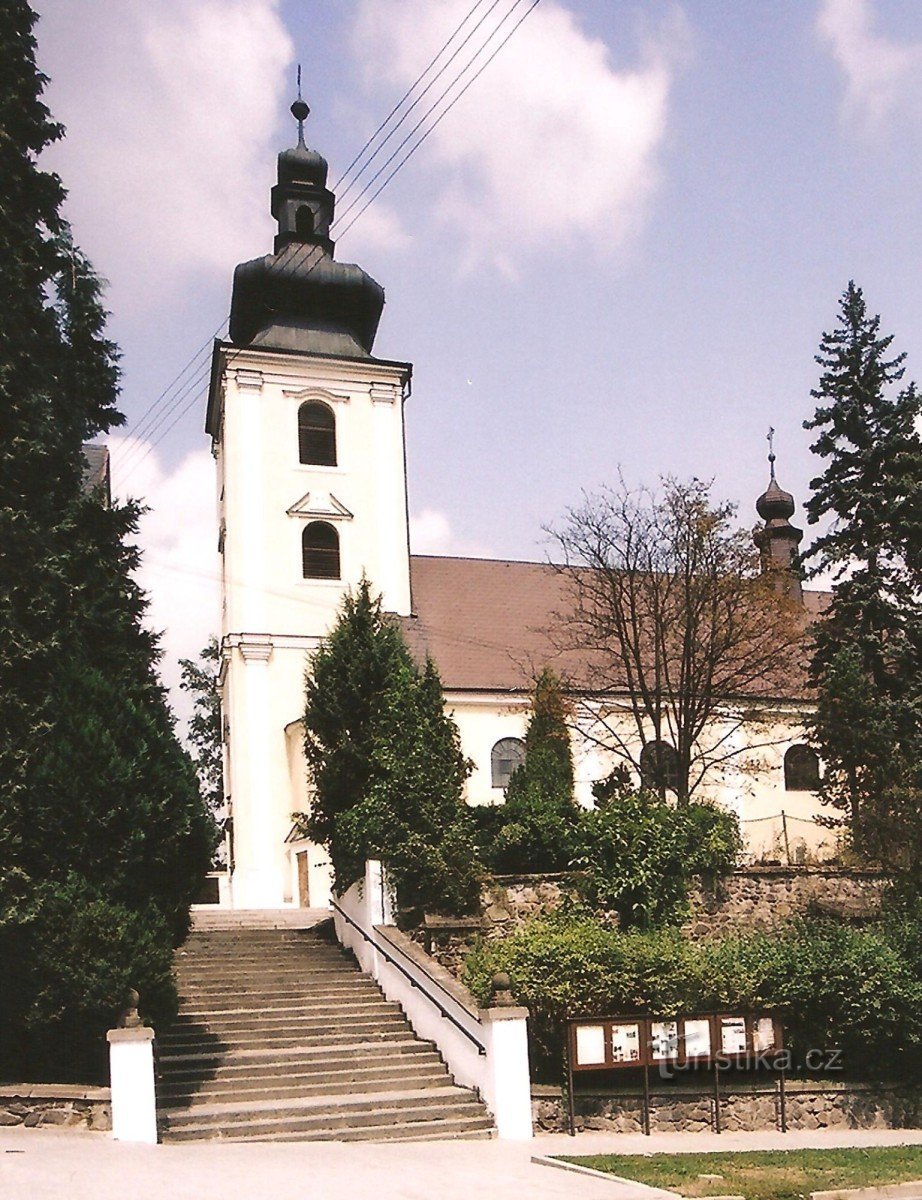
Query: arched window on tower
pixel 320 551
pixel 316 434
pixel 801 769
pixel 507 754
pixel 304 221
pixel 659 767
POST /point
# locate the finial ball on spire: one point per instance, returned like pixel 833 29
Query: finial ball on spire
pixel 300 110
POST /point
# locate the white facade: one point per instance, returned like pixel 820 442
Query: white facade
pixel 272 617
pixel 302 329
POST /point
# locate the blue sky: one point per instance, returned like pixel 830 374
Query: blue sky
pixel 620 248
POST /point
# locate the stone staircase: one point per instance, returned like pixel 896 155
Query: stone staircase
pixel 281 1037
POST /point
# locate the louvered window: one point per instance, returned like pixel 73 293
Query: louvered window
pixel 320 551
pixel 316 434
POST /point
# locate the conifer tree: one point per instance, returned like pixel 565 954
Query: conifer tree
pixel 385 764
pixel 867 660
pixel 102 830
pixel 539 815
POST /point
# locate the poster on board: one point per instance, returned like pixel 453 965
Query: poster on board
pixel 733 1035
pixel 664 1040
pixel 697 1037
pixel 590 1045
pixel 625 1043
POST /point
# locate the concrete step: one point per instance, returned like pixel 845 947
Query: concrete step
pixel 213 1044
pixel 222 920
pixel 318 1017
pixel 470 1128
pixel 243 1006
pixel 291 1011
pixel 308 1060
pixel 333 1083
pixel 325 1114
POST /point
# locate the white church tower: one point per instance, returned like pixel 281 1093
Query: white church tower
pixel 307 434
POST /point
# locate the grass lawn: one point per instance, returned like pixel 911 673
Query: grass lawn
pixel 764 1175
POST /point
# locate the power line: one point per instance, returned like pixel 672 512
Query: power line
pixel 409 91
pixel 425 90
pixel 440 117
pixel 299 258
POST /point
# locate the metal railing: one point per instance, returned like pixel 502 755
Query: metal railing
pixel 481 1049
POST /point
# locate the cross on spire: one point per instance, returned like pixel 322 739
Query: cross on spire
pixel 770 438
pixel 300 111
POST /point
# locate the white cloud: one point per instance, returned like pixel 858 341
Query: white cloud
pixel 880 73
pixel 178 539
pixel 171 108
pixel 552 145
pixel 431 533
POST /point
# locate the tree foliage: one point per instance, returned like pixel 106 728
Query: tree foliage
pixel 96 796
pixel 385 764
pixel 534 828
pixel 867 659
pixel 680 630
pixel 201 679
pixel 637 855
pixel 835 987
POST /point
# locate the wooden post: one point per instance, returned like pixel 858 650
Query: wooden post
pixel 717 1128
pixel 646 1099
pixel 782 1101
pixel 571 1110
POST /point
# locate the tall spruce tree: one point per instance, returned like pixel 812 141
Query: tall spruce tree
pixel 867 660
pixel 103 835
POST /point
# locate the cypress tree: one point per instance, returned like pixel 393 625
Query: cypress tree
pixel 867 658
pixel 103 836
pixel 539 816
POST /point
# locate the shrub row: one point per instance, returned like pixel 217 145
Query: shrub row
pixel 856 990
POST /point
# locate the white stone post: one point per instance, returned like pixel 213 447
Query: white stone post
pixel 507 1087
pixel 131 1071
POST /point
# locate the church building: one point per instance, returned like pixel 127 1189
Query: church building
pixel 307 429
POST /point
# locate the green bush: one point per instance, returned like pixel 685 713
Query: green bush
pixel 834 986
pixel 75 956
pixel 637 854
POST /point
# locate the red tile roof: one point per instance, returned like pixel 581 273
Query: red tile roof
pixel 488 623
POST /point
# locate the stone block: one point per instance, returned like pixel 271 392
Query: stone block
pixel 10 1118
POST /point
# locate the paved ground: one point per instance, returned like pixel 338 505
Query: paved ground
pixel 51 1164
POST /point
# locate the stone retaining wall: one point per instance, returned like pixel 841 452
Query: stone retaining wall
pixel 765 897
pixel 854 1106
pixel 69 1105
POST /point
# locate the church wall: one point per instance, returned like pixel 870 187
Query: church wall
pixel 272 616
pixel 751 784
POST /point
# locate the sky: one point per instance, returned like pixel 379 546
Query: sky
pixel 618 250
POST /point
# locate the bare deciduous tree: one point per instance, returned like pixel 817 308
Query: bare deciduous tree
pixel 682 639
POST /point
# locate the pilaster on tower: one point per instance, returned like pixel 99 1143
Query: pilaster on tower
pixel 308 435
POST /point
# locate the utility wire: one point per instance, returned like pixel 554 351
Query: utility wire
pixel 299 258
pixel 407 94
pixel 438 120
pixel 348 188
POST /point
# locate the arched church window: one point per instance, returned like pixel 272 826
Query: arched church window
pixel 316 434
pixel 508 753
pixel 801 769
pixel 659 767
pixel 320 551
pixel 304 221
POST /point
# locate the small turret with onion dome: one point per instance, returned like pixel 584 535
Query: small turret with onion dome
pixel 778 539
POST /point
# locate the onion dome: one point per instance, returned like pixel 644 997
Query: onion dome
pixel 775 504
pixel 778 539
pixel 300 298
